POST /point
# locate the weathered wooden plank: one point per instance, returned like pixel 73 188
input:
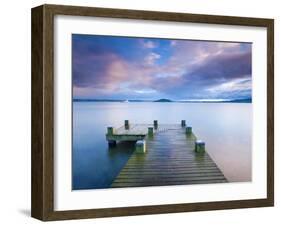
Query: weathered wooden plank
pixel 164 171
pixel 171 179
pixel 178 171
pixel 165 183
pixel 134 129
pixel 171 167
pixel 182 162
pixel 174 163
pixel 182 176
pixel 170 160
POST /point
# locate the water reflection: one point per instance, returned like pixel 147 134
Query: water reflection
pixel 226 129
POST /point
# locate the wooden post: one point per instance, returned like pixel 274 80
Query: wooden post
pixel 127 126
pixel 150 131
pixel 188 130
pixel 141 146
pixel 155 124
pixel 182 123
pixel 110 130
pixel 199 146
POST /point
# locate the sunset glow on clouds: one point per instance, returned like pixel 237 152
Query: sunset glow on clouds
pixel 107 67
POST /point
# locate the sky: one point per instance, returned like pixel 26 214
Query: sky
pixel 111 67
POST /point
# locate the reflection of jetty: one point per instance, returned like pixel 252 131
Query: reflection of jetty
pixel 164 155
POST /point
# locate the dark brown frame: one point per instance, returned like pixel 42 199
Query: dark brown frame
pixel 42 203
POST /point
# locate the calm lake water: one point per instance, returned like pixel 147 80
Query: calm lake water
pixel 226 129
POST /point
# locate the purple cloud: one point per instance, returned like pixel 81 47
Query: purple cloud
pixel 153 68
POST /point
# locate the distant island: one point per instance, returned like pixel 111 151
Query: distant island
pixel 247 100
pixel 163 100
pixel 244 100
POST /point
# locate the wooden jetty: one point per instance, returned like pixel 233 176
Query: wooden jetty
pixel 165 155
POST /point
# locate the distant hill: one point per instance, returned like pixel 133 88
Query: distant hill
pixel 247 100
pixel 163 100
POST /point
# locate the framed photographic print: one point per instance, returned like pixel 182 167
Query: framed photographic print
pixel 141 112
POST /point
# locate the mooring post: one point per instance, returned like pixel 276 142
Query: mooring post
pixel 199 146
pixel 110 130
pixel 188 130
pixel 150 131
pixel 141 146
pixel 182 123
pixel 127 126
pixel 155 124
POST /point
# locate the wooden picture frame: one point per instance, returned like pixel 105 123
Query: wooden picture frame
pixel 42 205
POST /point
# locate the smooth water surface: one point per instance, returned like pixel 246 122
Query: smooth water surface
pixel 226 129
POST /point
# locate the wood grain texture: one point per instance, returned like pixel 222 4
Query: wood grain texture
pixel 37 159
pixel 270 111
pixel 170 159
pixel 42 111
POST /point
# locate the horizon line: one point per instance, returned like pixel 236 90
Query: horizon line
pixel 167 99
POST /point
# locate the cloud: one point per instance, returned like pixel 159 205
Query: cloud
pixel 102 73
pixel 145 91
pixel 149 44
pixel 192 69
pixel 233 85
pixel 236 87
pixel 224 66
pixel 151 58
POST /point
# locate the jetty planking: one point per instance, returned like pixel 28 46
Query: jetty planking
pixel 166 154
